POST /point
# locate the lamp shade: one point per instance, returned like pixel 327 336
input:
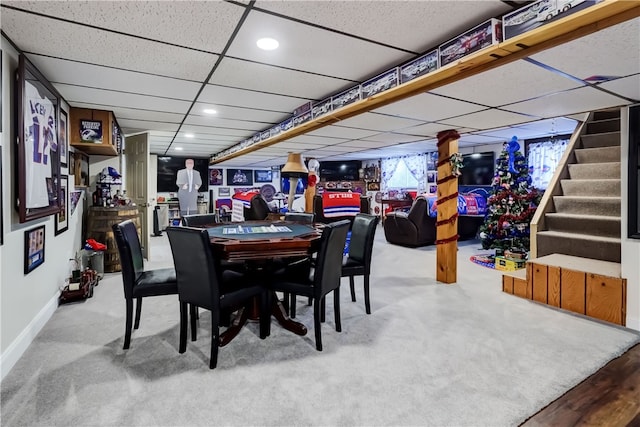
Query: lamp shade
pixel 294 168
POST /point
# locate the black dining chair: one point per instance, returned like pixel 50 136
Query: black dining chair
pixel 201 284
pixel 358 262
pixel 199 220
pixel 300 217
pixel 137 282
pixel 323 279
pixel 258 209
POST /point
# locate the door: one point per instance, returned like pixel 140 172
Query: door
pixel 137 172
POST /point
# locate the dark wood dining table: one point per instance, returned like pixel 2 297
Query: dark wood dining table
pixel 260 244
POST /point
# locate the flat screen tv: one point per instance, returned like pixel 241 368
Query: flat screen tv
pixel 340 171
pixel 478 168
pixel 168 167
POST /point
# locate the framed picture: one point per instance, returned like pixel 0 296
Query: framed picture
pixel 74 198
pixel 91 131
pixel 432 177
pixel 215 176
pixel 62 217
pixel 262 175
pixel 38 156
pixel 33 248
pixel 72 162
pixel 433 189
pixel 239 177
pixel 224 192
pixel 63 138
pixel 373 186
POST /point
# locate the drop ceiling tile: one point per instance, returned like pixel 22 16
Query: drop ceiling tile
pixel 488 119
pixel 308 48
pixel 430 130
pixel 338 148
pixel 239 134
pixel 320 154
pixel 557 125
pixel 147 125
pixel 379 122
pixel 513 82
pixel 387 21
pixel 614 51
pixel 419 147
pixel 312 139
pixel 429 107
pixel 221 95
pixel 260 77
pixel 392 137
pixel 70 41
pixel 564 103
pixel 343 132
pixel 77 94
pixel 95 76
pixel 135 114
pixel 238 113
pixel 628 86
pixel 226 123
pixel 356 143
pixel 201 25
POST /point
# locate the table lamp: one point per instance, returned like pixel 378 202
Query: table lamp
pixel 293 169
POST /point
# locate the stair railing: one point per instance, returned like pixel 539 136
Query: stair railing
pixel 554 189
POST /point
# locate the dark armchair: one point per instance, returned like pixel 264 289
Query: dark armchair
pixel 412 229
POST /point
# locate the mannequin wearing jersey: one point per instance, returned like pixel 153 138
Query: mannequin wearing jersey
pixel 188 182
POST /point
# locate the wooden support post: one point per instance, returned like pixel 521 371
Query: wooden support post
pixel 447 219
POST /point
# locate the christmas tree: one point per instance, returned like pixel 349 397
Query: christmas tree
pixel 512 202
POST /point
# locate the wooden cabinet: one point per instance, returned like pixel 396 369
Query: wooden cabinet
pixel 95 131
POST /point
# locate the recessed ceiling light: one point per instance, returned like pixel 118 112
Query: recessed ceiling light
pixel 178 148
pixel 209 111
pixel 188 135
pixel 267 43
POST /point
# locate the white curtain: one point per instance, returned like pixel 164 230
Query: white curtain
pixel 543 161
pixel 388 168
pixel 418 167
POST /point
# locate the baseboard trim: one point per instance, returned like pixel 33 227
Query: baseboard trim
pixel 633 323
pixel 16 349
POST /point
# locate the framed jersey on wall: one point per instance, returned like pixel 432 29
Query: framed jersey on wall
pixel 38 172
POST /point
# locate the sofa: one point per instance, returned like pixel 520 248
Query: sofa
pixel 319 211
pixel 412 229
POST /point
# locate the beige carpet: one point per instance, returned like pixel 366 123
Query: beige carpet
pixel 429 354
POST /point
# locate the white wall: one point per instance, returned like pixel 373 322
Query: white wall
pixel 26 301
pixel 630 247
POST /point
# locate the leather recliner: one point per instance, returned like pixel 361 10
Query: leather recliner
pixel 413 229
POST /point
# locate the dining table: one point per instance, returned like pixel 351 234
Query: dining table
pixel 261 245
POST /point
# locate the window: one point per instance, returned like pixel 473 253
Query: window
pixel 402 177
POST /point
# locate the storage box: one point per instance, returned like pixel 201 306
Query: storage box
pixel 507 264
pixel 418 67
pixel 540 13
pixel 484 35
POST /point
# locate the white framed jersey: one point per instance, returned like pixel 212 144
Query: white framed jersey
pixel 40 142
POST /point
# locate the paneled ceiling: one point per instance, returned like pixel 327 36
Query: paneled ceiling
pixel 158 65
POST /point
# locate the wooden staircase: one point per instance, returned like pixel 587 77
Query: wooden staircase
pixel 576 232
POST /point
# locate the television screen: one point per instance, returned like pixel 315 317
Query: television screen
pixel 478 169
pixel 340 171
pixel 262 175
pixel 168 167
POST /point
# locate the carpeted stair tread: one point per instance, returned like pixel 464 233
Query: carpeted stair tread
pixel 605 125
pixel 606 139
pixel 591 187
pixel 604 170
pixel 581 245
pixel 598 154
pixel 588 265
pixel 587 205
pixel 598 225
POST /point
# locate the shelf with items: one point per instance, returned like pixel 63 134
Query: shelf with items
pixel 95 131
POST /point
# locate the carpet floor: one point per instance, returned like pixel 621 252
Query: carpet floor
pixel 430 354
